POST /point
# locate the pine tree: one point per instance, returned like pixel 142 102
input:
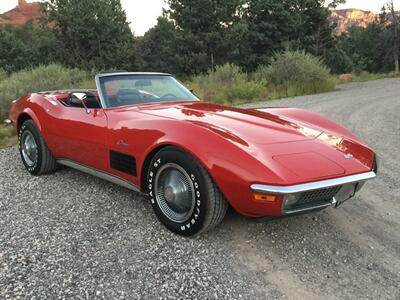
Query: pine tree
pixel 205 29
pixel 92 34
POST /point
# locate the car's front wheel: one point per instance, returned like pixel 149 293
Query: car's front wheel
pixel 182 193
pixel 35 154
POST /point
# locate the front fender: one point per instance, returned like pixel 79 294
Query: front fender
pixel 32 106
pixel 33 116
pixel 232 164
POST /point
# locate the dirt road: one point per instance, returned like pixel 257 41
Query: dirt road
pixel 72 235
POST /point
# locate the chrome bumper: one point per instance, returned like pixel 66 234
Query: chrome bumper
pixel 292 194
pixel 292 189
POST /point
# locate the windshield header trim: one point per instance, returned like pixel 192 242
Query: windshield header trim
pixel 133 74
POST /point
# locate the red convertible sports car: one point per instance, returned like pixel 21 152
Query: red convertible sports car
pixel 147 132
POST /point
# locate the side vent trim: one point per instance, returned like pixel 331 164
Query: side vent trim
pixel 123 163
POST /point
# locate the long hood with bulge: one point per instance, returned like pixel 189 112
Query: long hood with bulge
pixel 291 141
pixel 252 126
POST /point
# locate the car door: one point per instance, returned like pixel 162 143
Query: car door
pixel 79 135
pixel 125 143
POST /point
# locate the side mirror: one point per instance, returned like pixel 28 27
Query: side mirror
pixel 79 100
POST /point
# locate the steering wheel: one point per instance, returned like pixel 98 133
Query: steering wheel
pixel 166 96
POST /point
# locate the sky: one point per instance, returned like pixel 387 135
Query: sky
pixel 142 14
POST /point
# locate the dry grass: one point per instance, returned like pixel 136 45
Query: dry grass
pixel 366 76
pixel 8 136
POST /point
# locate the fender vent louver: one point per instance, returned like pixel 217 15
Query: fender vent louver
pixel 123 163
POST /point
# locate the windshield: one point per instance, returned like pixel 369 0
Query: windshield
pixel 121 90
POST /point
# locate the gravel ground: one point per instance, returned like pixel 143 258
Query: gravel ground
pixel 70 235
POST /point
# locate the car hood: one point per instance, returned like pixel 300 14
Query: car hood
pixel 286 140
pixel 241 125
pixel 294 139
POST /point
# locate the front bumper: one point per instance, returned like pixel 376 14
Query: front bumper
pixel 315 195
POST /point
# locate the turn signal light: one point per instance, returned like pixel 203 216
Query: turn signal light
pixel 265 198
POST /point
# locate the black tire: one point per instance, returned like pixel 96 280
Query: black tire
pixel 42 161
pixel 209 205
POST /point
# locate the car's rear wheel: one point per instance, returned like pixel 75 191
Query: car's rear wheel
pixel 35 154
pixel 182 193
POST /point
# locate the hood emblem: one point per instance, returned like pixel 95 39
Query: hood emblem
pixel 348 156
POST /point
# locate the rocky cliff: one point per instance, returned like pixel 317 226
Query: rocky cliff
pixel 21 14
pixel 346 18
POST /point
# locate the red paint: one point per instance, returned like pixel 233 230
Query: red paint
pixel 238 147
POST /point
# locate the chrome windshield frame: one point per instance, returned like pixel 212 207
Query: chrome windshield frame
pixel 100 76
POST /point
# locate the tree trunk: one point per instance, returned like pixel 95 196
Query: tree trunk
pixel 396 48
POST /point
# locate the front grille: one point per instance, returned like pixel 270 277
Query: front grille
pixel 317 196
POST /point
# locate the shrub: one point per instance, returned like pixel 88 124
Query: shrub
pixel 293 73
pixel 87 83
pixel 339 62
pixel 3 75
pixel 43 78
pixel 227 84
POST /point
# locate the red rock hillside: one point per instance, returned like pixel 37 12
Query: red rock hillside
pixel 21 14
pixel 346 18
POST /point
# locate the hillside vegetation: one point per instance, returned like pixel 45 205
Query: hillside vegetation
pixel 289 74
pixel 42 78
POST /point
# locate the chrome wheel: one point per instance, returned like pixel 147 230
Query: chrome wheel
pixel 29 148
pixel 174 192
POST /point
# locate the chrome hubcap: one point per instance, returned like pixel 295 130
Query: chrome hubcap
pixel 29 148
pixel 175 193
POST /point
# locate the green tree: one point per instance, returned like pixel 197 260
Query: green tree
pixel 12 51
pixel 92 34
pixel 294 24
pixel 26 47
pixel 157 49
pixel 205 31
pixel 313 29
pixel 40 44
pixel 370 48
pixel 270 24
pixel 338 60
pixel 390 18
pixel 203 34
